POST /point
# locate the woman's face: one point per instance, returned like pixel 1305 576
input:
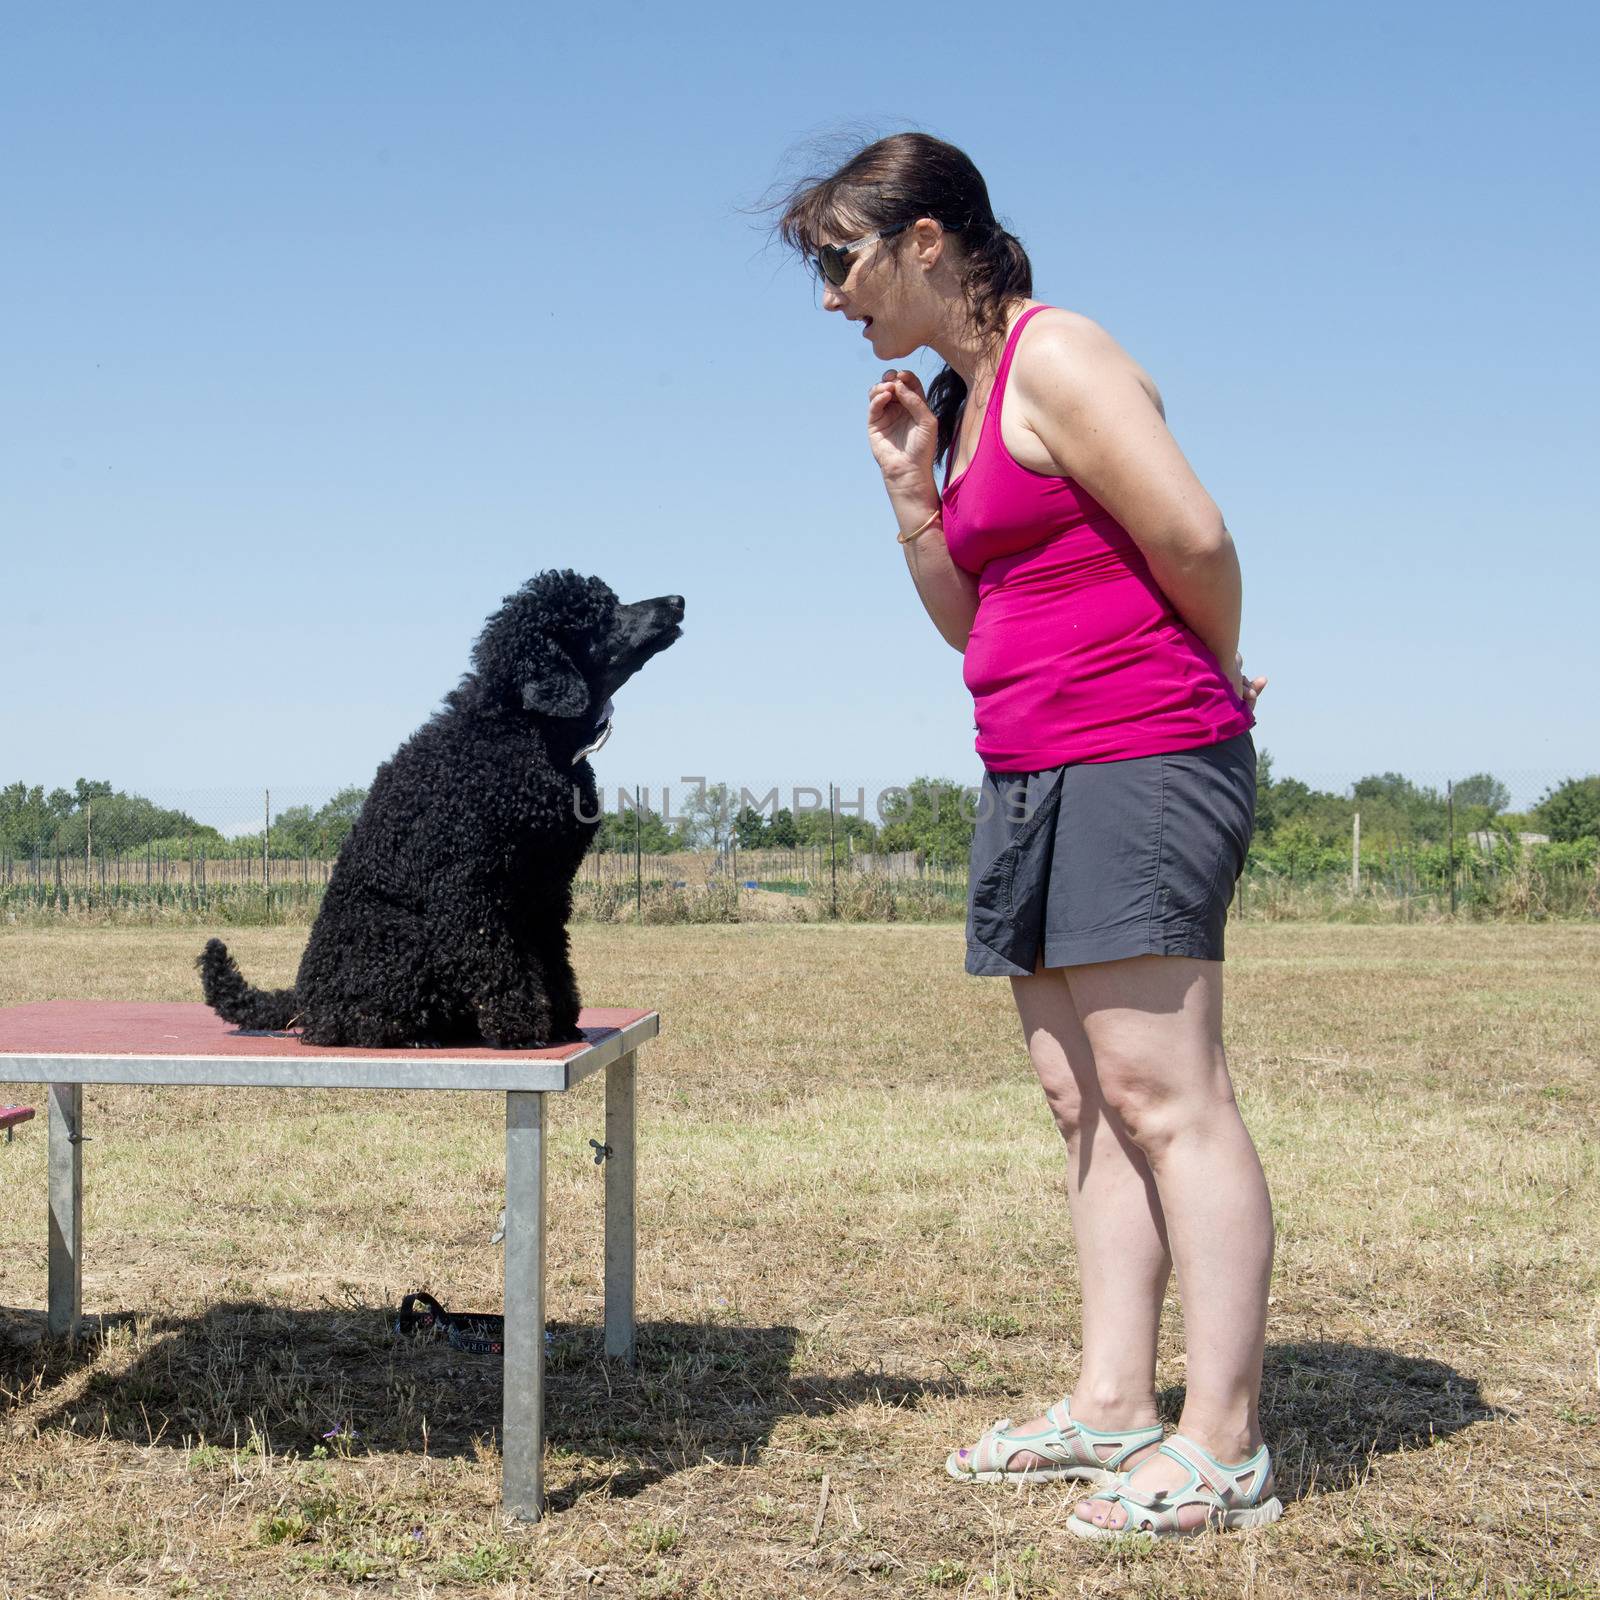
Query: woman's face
pixel 873 294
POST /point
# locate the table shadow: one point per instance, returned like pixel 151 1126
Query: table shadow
pixel 245 1375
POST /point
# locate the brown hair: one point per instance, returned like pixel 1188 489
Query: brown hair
pixel 902 178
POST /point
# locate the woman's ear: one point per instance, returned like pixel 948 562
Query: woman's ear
pixel 553 686
pixel 927 241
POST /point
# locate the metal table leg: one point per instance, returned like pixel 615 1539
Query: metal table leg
pixel 620 1189
pixel 522 1426
pixel 66 1210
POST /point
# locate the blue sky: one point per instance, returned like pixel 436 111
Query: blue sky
pixel 329 326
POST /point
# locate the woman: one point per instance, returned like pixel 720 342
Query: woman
pixel 1087 577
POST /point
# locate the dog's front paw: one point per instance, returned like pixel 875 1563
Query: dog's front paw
pixel 508 1026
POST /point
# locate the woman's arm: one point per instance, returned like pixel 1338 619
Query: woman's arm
pixel 903 433
pixel 949 593
pixel 1082 395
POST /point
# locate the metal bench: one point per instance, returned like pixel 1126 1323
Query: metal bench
pixel 68 1043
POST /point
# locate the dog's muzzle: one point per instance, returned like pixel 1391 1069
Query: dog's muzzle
pixel 602 732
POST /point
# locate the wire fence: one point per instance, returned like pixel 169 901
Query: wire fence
pixel 1396 849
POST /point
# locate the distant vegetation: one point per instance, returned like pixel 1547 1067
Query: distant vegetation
pixel 1423 850
pixel 94 816
pixel 932 815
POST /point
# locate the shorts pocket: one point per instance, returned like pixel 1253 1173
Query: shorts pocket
pixel 1008 899
pixel 1236 812
pixel 1206 821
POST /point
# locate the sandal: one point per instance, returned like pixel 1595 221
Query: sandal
pixel 1068 1444
pixel 1153 1513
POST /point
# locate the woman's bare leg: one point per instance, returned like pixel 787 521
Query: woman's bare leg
pixel 1123 1264
pixel 1154 1026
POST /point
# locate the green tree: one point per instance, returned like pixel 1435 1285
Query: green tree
pixel 338 817
pixel 708 817
pixel 618 832
pixel 1482 789
pixel 812 827
pixel 1296 848
pixel 1572 810
pixel 64 820
pixel 295 832
pixel 27 822
pixel 85 790
pixel 933 815
pixel 1393 808
pixel 749 828
pixel 1292 800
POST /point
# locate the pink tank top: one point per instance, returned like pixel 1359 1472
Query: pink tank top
pixel 1075 653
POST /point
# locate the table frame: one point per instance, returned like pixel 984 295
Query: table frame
pixel 524 1082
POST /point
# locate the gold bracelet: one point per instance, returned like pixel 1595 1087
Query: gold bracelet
pixel 906 538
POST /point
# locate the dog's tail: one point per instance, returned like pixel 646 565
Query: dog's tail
pixel 234 1000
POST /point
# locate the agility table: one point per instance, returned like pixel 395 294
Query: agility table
pixel 68 1043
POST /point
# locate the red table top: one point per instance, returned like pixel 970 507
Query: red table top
pixel 188 1028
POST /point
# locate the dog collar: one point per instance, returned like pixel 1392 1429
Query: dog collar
pixel 602 732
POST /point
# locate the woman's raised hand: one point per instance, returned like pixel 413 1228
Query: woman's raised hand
pixel 901 429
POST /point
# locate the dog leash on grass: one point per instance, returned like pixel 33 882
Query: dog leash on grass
pixel 479 1333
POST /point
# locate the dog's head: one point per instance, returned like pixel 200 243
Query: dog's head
pixel 562 645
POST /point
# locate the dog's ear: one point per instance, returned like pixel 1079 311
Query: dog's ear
pixel 554 687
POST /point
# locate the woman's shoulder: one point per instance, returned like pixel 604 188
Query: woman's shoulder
pixel 1059 344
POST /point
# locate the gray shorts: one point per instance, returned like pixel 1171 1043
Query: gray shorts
pixel 1097 861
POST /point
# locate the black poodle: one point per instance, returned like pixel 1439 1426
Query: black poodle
pixel 445 915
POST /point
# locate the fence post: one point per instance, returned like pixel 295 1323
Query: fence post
pixel 833 858
pixel 1450 857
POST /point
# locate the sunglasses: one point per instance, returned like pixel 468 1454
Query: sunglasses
pixel 833 260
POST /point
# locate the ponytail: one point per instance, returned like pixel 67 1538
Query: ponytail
pixel 996 272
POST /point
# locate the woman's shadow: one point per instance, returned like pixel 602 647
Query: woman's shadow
pixel 343 1380
pixel 1329 1406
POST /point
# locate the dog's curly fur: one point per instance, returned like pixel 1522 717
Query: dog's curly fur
pixel 445 914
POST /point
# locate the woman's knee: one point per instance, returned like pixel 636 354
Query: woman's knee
pixel 1067 1077
pixel 1057 1047
pixel 1157 1107
pixel 1065 1101
pixel 1155 1023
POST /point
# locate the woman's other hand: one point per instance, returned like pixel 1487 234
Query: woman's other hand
pixel 1247 689
pixel 902 430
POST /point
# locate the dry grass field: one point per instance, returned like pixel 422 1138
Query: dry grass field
pixel 854 1255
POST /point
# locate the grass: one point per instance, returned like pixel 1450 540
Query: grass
pixel 854 1255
